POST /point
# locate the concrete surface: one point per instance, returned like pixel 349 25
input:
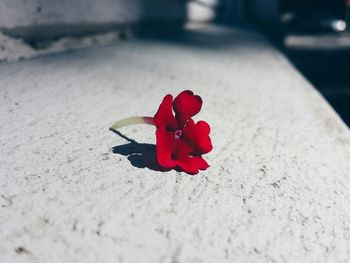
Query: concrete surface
pixel 278 188
pixel 20 13
pixel 32 28
pixel 13 49
pixel 37 19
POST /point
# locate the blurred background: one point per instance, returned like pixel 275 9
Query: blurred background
pixel 313 34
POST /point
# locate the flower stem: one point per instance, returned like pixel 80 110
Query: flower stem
pixel 131 121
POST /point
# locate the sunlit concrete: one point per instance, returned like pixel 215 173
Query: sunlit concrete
pixel 278 188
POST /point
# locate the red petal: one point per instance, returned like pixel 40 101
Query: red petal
pixel 164 115
pixel 185 106
pixel 182 158
pixel 172 153
pixel 187 163
pixel 200 162
pixel 165 141
pixel 197 136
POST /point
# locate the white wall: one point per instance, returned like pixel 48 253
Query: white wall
pixel 23 16
pixel 28 12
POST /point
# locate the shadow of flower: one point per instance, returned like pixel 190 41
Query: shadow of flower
pixel 140 155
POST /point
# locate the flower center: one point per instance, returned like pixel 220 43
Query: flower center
pixel 178 134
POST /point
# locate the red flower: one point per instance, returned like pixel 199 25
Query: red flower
pixel 180 141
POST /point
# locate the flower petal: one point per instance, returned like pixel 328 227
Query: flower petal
pixel 164 115
pixel 181 156
pixel 165 141
pixel 189 164
pixel 197 136
pixel 200 162
pixel 185 106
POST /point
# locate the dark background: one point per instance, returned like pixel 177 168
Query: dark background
pixel 325 62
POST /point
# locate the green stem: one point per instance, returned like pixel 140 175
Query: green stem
pixel 131 121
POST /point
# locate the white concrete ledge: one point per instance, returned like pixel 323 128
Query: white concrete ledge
pixel 278 189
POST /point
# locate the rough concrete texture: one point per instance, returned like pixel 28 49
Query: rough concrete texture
pixel 278 188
